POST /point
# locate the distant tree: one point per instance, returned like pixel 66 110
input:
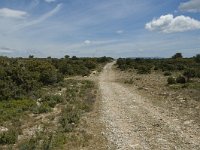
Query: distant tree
pixel 197 58
pixel 31 56
pixel 74 58
pixel 177 55
pixel 67 56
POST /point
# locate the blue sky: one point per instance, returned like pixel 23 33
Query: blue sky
pixel 117 28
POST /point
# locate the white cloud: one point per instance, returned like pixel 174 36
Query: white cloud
pixel 87 42
pixel 49 1
pixel 190 6
pixel 42 18
pixel 11 13
pixel 119 31
pixel 169 24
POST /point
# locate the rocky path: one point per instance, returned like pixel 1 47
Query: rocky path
pixel 132 122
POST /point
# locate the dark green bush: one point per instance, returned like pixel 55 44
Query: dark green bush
pixel 167 73
pixel 8 137
pixel 180 79
pixel 189 73
pixel 165 64
pixel 177 55
pixel 52 100
pixel 43 108
pixel 155 68
pixel 22 78
pixel 197 58
pixel 144 70
pixel 171 80
pixel 180 67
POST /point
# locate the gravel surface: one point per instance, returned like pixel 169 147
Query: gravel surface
pixel 132 122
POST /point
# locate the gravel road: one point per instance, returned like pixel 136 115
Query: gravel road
pixel 133 122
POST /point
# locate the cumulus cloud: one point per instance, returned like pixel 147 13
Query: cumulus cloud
pixel 169 24
pixel 190 6
pixel 87 42
pixel 11 13
pixel 49 1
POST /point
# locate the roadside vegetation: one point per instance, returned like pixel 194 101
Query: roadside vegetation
pixel 39 108
pixel 22 78
pixel 172 84
pixel 177 69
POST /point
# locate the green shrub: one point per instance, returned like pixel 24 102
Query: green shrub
pixel 43 108
pixel 171 80
pixel 156 68
pixel 177 56
pixel 28 145
pixel 144 70
pixel 9 137
pixel 168 67
pixel 180 79
pixel 52 100
pixel 197 58
pixel 14 109
pixel 180 67
pixel 167 73
pixel 70 117
pixel 58 140
pixel 189 73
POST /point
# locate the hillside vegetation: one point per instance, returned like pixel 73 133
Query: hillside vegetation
pixel 42 109
pixel 22 78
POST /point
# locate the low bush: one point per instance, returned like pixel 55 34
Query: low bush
pixel 69 119
pixel 14 109
pixel 189 73
pixel 171 80
pixel 52 100
pixel 197 58
pixel 167 73
pixel 43 108
pixel 180 79
pixel 8 137
pixel 30 144
pixel 144 70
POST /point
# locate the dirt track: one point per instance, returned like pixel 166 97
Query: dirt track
pixel 132 122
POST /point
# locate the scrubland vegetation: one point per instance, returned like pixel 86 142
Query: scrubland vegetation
pixel 179 69
pixel 22 78
pixel 170 83
pixel 39 108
